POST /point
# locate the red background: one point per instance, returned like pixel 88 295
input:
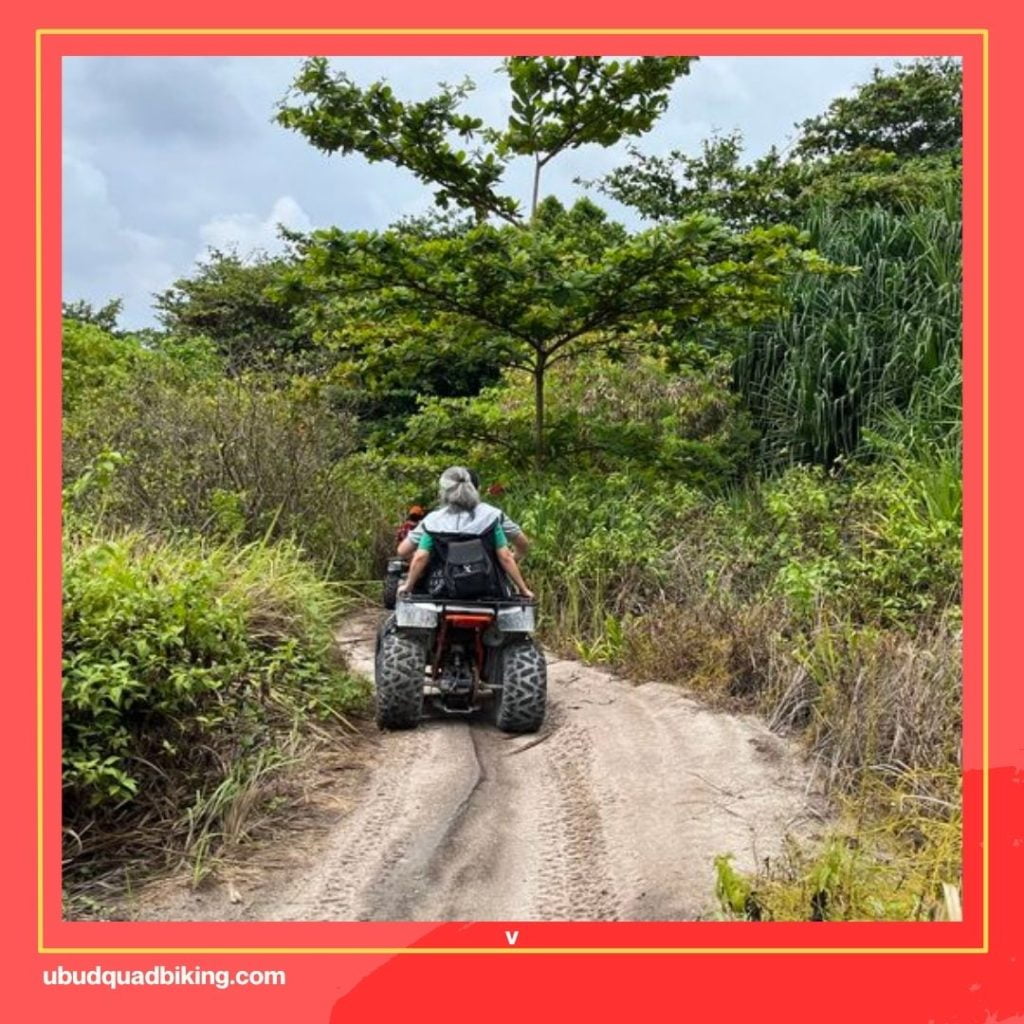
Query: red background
pixel 890 986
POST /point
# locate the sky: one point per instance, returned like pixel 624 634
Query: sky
pixel 167 157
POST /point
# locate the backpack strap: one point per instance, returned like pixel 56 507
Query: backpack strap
pixel 442 540
pixel 439 568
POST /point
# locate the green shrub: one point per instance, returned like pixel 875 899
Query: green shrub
pixel 604 416
pixel 826 602
pixel 184 663
pixel 93 359
pixel 233 458
pixel 865 871
pixel 906 536
pixel 881 544
pixel 598 547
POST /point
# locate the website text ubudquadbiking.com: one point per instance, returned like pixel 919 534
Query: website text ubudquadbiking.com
pixel 125 978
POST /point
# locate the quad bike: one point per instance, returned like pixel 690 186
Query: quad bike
pixel 396 570
pixel 456 656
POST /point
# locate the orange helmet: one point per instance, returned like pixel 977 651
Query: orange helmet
pixel 417 512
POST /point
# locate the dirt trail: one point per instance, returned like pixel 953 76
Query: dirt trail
pixel 614 811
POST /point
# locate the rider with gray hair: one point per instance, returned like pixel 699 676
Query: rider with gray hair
pixel 463 512
pixel 457 490
pixel 459 493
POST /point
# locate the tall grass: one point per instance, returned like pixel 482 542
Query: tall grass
pixel 190 670
pixel 854 349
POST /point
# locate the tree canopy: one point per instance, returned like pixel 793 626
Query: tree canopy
pixel 83 312
pixel 895 142
pixel 913 112
pixel 558 103
pixel 231 302
pixel 531 299
pixel 534 291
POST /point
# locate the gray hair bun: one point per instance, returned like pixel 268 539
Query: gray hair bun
pixel 456 488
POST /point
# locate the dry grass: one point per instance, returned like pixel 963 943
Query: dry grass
pixel 234 831
pixel 880 713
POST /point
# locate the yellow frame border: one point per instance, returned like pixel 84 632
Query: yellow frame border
pixel 491 950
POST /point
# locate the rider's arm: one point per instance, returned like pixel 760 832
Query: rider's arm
pixel 520 545
pixel 519 541
pixel 416 567
pixel 410 542
pixel 509 564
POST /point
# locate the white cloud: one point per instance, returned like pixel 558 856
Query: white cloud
pixel 247 233
pixel 112 258
pixel 727 84
pixel 166 156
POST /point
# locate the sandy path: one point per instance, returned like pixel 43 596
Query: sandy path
pixel 614 811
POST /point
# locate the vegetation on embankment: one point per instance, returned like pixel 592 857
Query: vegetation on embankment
pixel 200 669
pixel 192 674
pixel 829 606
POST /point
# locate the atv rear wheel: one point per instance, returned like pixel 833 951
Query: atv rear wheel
pixel 524 686
pixel 399 677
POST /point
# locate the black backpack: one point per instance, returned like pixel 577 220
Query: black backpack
pixel 464 565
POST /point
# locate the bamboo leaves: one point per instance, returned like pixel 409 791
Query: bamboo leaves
pixel 854 349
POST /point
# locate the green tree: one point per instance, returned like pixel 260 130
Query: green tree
pixel 875 181
pixel 83 312
pixel 630 414
pixel 914 111
pixel 383 369
pixel 538 290
pixel 894 143
pixel 232 303
pixel 715 181
pixel 530 299
pixel 558 103
pixel 561 103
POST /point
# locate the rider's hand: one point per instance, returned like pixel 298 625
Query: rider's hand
pixel 528 594
pixel 403 589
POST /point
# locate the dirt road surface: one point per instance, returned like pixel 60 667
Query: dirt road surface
pixel 615 810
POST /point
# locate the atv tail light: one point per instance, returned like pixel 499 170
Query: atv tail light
pixel 469 621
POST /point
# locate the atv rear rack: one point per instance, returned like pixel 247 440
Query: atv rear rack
pixel 453 604
pixel 425 612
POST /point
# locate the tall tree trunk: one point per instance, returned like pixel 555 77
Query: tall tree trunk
pixel 536 186
pixel 538 413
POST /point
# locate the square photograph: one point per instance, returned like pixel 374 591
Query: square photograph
pixel 512 488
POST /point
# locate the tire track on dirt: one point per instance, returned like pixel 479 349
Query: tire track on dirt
pixel 615 810
pixel 576 883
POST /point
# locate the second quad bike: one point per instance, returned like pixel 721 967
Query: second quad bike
pixel 458 656
pixel 396 570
